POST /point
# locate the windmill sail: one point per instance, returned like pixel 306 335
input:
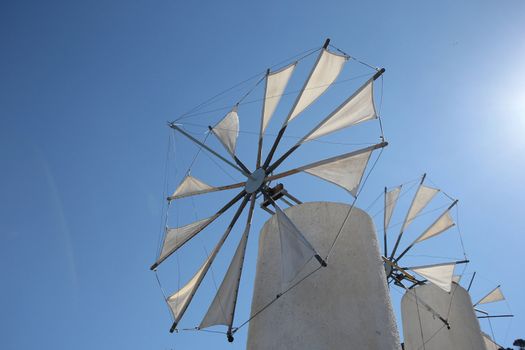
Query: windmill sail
pixel 179 301
pixel 356 109
pixel 439 274
pixel 191 186
pixel 222 308
pixel 296 251
pixel 443 223
pixel 390 203
pixel 495 295
pixel 176 237
pixel 324 73
pixel 227 131
pixel 345 172
pixel 220 311
pixel 275 84
pixel 423 196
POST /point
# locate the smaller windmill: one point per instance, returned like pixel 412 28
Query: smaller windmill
pixel 441 274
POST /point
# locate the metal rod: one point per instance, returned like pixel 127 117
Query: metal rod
pixel 287 194
pixel 455 262
pixel 274 146
pixel 260 145
pixel 215 189
pixel 286 201
pixel 404 252
pixel 237 160
pixel 217 214
pixel 384 226
pixel 483 312
pixel 495 316
pixel 462 262
pixel 282 158
pixel 175 127
pixel 404 222
pixel 269 211
pixel 471 280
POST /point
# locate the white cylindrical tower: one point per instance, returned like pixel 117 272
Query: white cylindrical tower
pixel 345 305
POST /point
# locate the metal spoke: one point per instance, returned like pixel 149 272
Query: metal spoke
pixel 237 160
pixel 384 228
pixel 214 189
pixel 175 127
pixel 260 145
pixel 402 227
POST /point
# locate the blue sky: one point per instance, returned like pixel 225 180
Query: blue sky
pixel 86 89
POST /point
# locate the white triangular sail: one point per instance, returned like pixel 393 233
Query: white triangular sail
pixel 390 203
pixel 179 301
pixel 324 73
pixel 227 131
pixel 275 85
pixel 443 223
pixel 423 196
pixel 296 251
pixel 176 237
pixel 493 296
pixel 356 109
pixel 439 274
pixel 191 186
pixel 344 171
pixel 221 309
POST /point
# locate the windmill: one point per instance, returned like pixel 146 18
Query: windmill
pixel 428 286
pixel 437 311
pixel 439 274
pixel 344 170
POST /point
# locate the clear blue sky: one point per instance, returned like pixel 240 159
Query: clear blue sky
pixel 86 89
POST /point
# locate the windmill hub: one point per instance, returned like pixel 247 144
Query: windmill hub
pixel 255 180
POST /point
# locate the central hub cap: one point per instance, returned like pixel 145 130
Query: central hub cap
pixel 255 180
